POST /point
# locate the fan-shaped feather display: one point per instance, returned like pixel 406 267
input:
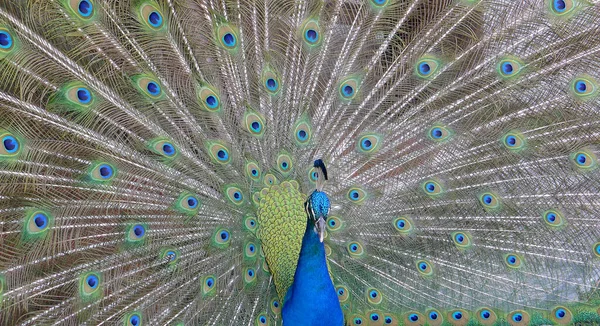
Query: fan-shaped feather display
pixel 302 162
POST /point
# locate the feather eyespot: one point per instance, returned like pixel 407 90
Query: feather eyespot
pixel 597 249
pixel 6 40
pixel 209 287
pixel 369 143
pixel 489 201
pixel 234 194
pixel 513 261
pixel 302 132
pixel 284 164
pixel 553 218
pixel 311 33
pixel 85 8
pixel 136 234
pixel 227 36
pixel 374 296
pixel 219 152
pixel 356 195
pixel 355 249
pixel 432 188
pixel 348 88
pixel 562 315
pixel 10 145
pixel 427 67
pixel 221 238
pixel 134 319
pixel 252 171
pixel 261 320
pixel 271 81
pixel 584 87
pixel 462 240
pixel 584 159
pixel 438 133
pixel 513 141
pixel 424 267
pixel 102 172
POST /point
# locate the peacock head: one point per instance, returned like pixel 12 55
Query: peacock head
pixel 317 205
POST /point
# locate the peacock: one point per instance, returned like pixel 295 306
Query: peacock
pixel 299 162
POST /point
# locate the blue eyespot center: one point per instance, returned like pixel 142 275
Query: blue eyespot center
pixel 560 5
pixel 252 223
pixel 85 8
pixel 134 320
pixel 311 35
pixel 551 217
pixel 424 68
pixel 263 319
pixel 332 223
pixel 40 220
pixel 251 248
pixel 517 317
pixel 354 194
pixel 172 255
pixel 357 321
pixel 430 186
pixel 561 313
pixel 211 101
pixel 433 315
pixel 302 135
pixel 255 125
pixel 237 195
pixel 5 40
pixel 254 172
pixel 373 294
pixel 168 149
pixel 388 320
pixel 224 235
pixel 284 165
pixel 414 317
pixel 229 40
pixel 581 159
pixel 401 224
pixel 460 238
pixel 275 304
pixel 581 87
pixel 222 155
pixel 354 247
pixel 10 144
pixel 366 144
pixel 485 314
pixel 457 315
pixel 155 19
pixel 511 141
pixel 487 199
pixel 437 133
pixel 271 84
pixel 507 68
pixel 374 317
pixel 105 171
pixel 92 281
pixel 138 230
pixel 512 259
pixel 423 266
pixel 192 202
pixel 210 282
pixel 83 95
pixel 348 90
pixel 341 292
pixel 250 273
pixel 153 88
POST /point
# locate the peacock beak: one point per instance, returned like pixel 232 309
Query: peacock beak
pixel 320 228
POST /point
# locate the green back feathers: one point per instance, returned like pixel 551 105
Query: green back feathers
pixel 282 222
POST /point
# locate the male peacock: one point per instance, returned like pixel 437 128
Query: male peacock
pixel 159 161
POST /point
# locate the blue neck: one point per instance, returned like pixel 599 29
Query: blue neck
pixel 312 300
